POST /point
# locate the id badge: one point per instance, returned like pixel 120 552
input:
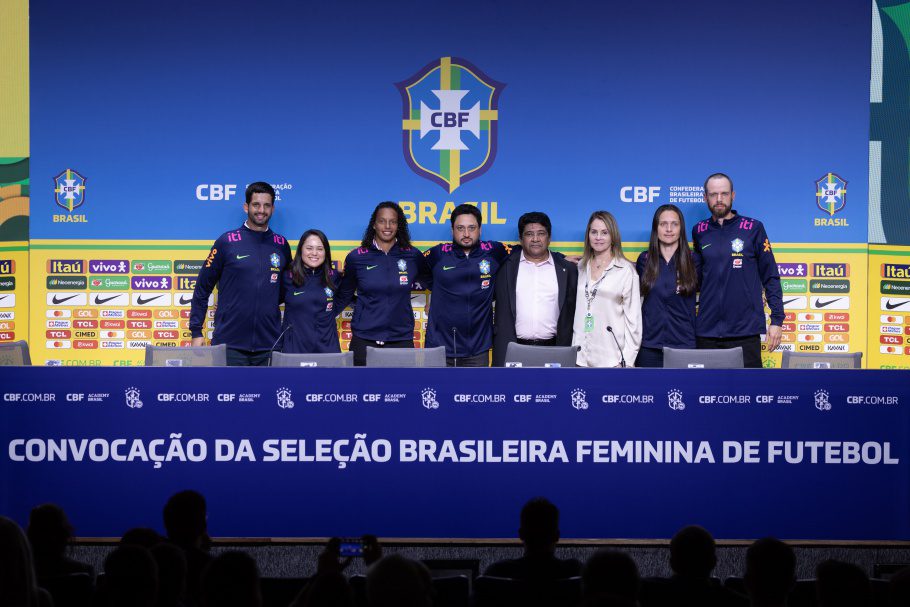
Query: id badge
pixel 589 322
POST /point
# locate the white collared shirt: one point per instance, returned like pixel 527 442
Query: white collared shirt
pixel 617 304
pixel 536 299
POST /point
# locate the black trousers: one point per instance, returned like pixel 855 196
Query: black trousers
pixel 359 348
pixel 751 345
pixel 248 358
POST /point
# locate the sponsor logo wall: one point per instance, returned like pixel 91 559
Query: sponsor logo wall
pixel 889 307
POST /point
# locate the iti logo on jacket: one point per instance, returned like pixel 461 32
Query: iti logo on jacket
pixel 831 193
pixel 69 189
pixel 449 121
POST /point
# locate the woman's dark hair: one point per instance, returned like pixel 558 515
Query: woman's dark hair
pixel 403 235
pixel 686 278
pixel 298 268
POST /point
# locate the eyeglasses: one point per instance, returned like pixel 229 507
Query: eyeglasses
pixel 466 229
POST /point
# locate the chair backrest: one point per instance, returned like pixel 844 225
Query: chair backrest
pixel 328 359
pixel 406 357
pixel 520 355
pixel 201 356
pixel 451 591
pixel 731 358
pixel 504 592
pixel 811 360
pixel 14 354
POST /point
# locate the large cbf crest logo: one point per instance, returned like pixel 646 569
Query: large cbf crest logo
pixel 69 189
pixel 449 120
pixel 831 193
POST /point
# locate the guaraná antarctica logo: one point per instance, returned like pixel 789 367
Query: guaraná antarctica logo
pixel 831 193
pixel 69 189
pixel 449 121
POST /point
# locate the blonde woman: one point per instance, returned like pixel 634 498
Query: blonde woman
pixel 608 311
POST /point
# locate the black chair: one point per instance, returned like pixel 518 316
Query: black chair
pixel 72 590
pixel 811 360
pixel 677 358
pixel 280 591
pixel 15 354
pixel 503 592
pixel 333 359
pixel 451 591
pixel 196 356
pixel 521 355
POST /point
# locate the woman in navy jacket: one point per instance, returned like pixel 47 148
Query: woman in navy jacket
pixel 308 292
pixel 669 281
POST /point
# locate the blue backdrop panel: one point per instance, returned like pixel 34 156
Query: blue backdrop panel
pixel 829 499
pixel 148 100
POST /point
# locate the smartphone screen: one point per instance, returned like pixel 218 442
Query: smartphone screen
pixel 351 546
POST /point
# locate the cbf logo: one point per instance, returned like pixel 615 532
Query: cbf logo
pixel 428 398
pixel 133 398
pixel 449 119
pixel 485 266
pixel 821 400
pixel 283 396
pixel 275 260
pixel 402 265
pixel 328 292
pixel 675 400
pixel 69 189
pixel 579 401
pixel 737 245
pixel 831 193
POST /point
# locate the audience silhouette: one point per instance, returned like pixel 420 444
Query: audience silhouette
pixel 148 570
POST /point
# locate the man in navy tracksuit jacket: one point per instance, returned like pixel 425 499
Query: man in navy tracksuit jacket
pixel 736 264
pixel 246 264
pixel 461 309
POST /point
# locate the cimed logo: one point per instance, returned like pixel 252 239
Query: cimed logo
pixel 283 396
pixel 821 400
pixel 579 401
pixel 69 189
pixel 450 112
pixel 830 193
pixel 428 398
pixel 675 399
pixel 485 266
pixel 133 398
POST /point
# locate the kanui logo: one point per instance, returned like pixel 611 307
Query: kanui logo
pixel 450 113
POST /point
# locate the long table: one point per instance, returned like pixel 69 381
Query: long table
pixel 454 453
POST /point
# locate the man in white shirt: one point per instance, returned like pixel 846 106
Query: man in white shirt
pixel 535 292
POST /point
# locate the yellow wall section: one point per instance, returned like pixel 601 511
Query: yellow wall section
pixel 14 78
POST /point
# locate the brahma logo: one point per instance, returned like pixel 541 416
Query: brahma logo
pixel 69 190
pixel 449 121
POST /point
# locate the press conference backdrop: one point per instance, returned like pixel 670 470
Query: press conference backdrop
pixel 434 453
pixel 145 133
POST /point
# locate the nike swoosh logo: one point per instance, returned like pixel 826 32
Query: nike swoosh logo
pixel 243 256
pixel 184 300
pixel 60 300
pixel 297 292
pixel 891 306
pixel 786 301
pixel 820 304
pixel 371 267
pixel 99 300
pixel 447 267
pixel 141 302
pixel 705 246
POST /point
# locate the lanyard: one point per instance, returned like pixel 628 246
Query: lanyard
pixel 589 296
